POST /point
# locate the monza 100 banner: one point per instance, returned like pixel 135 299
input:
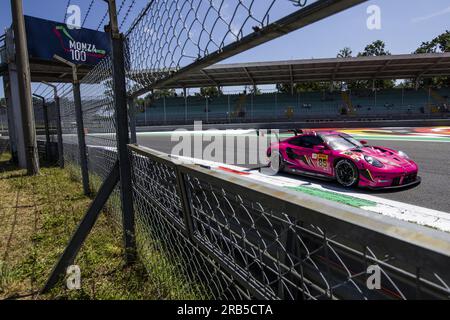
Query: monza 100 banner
pixel 80 46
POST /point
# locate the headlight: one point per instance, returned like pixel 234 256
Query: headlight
pixel 403 155
pixel 374 162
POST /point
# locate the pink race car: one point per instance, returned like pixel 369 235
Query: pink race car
pixel 339 156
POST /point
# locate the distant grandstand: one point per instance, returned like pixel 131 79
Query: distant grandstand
pixel 300 106
pixel 294 106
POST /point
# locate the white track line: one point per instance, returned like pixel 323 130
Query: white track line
pixel 423 216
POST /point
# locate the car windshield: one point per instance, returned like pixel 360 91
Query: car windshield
pixel 342 143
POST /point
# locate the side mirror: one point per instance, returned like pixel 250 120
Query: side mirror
pixel 319 148
pixel 363 142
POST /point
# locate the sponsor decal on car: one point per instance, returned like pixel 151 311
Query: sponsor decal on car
pixel 352 155
pixel 323 161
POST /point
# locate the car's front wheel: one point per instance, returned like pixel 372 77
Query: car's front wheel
pixel 346 173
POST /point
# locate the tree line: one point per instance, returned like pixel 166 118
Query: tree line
pixel 440 43
pixel 378 48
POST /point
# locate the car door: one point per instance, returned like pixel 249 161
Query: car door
pixel 299 152
pixel 318 158
pixel 308 155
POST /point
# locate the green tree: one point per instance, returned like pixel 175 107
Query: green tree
pixel 164 93
pixel 148 100
pixel 140 104
pixel 285 88
pixel 405 84
pixel 439 44
pixel 346 52
pixel 255 91
pixel 374 49
pixel 210 92
pixel 306 86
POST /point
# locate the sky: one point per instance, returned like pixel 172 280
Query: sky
pixel 405 24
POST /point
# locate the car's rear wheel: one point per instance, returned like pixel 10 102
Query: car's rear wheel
pixel 276 161
pixel 346 173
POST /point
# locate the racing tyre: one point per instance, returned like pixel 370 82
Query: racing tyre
pixel 276 158
pixel 346 173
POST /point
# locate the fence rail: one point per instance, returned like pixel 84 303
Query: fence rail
pixel 257 241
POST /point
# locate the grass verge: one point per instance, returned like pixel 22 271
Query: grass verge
pixel 38 215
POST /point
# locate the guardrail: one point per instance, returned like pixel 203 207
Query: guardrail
pixel 338 123
pixel 241 239
pixel 323 118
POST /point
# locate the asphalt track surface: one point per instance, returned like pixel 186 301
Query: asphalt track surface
pixel 433 159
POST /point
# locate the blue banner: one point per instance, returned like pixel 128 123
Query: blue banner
pixel 80 46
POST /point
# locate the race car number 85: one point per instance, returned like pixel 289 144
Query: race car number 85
pixel 322 161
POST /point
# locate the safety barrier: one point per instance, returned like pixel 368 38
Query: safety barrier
pixel 240 239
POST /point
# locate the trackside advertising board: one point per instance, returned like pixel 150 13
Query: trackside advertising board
pixel 80 46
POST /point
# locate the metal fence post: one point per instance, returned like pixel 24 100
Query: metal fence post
pixel 58 124
pixel 375 98
pixel 229 110
pixel 187 213
pixel 185 105
pixel 132 117
pixel 252 107
pixel 164 106
pixel 403 96
pixel 80 124
pixel 24 87
pixel 46 126
pixel 1 120
pixel 186 109
pixel 59 132
pixel 120 100
pixel 276 104
pixel 145 113
pixel 81 138
pixel 47 131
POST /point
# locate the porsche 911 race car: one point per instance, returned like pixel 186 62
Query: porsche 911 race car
pixel 339 156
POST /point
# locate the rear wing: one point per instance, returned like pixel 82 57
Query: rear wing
pixel 296 132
